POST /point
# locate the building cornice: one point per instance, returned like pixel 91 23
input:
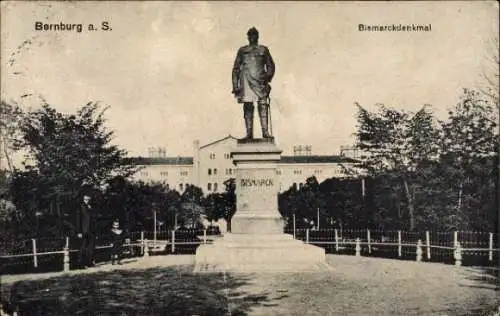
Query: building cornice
pixel 218 141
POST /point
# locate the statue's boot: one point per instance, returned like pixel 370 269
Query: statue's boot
pixel 263 115
pixel 248 110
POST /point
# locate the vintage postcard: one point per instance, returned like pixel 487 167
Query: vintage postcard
pixel 249 158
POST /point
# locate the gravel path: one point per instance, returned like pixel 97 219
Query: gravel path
pixel 354 286
pixel 373 286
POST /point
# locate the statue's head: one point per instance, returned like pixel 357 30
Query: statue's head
pixel 253 35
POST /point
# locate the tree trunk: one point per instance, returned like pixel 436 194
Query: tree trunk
pixel 411 206
pixel 7 157
pixel 460 192
pixel 458 216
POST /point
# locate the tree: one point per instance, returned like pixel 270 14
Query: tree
pixel 491 83
pixel 469 161
pixel 215 205
pixel 344 202
pixel 443 175
pixel 305 203
pixel 10 118
pixel 171 205
pixel 312 200
pixel 69 152
pixel 222 205
pixel 134 203
pixel 191 208
pixel 399 146
pixel 229 201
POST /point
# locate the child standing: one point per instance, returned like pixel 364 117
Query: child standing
pixel 117 239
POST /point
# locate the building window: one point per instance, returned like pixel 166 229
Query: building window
pixel 278 171
pixel 215 170
pixel 209 171
pixel 297 172
pixel 209 187
pixel 184 173
pixel 215 187
pixel 227 156
pixel 144 173
pixel 318 171
pixel 212 156
pixel 164 173
pixel 181 186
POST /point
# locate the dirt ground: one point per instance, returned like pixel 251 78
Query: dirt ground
pixel 166 285
pixel 373 286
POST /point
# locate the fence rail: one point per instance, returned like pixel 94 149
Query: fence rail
pixel 430 245
pixel 396 244
pixel 175 239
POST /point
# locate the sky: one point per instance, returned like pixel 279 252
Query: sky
pixel 165 67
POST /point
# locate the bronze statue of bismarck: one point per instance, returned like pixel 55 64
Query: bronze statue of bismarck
pixel 253 70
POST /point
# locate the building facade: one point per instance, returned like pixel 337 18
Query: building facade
pixel 211 165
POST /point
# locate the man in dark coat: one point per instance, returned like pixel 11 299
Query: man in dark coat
pixel 253 70
pixel 86 231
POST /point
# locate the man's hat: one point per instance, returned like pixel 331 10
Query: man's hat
pixel 253 30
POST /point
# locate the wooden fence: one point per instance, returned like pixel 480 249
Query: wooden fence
pixel 419 246
pixel 145 242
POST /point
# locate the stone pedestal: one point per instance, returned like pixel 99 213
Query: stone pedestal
pixel 257 188
pixel 257 241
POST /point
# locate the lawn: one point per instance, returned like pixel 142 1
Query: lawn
pixel 355 286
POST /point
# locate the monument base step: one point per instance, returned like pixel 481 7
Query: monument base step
pixel 259 253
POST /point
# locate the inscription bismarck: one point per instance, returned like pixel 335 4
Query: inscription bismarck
pixel 257 182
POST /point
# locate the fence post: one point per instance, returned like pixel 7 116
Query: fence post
pixel 155 227
pixel 35 258
pixel 66 260
pixel 369 241
pixel 307 236
pixel 173 241
pixel 419 250
pixel 490 252
pixel 428 243
pixel 455 239
pixel 358 247
pixel 142 243
pixel 146 248
pixel 204 236
pixel 399 244
pixel 458 255
pixel 294 227
pixel 336 240
pixel 130 248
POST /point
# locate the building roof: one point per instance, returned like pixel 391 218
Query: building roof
pixel 316 159
pixel 220 140
pixel 284 159
pixel 161 160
